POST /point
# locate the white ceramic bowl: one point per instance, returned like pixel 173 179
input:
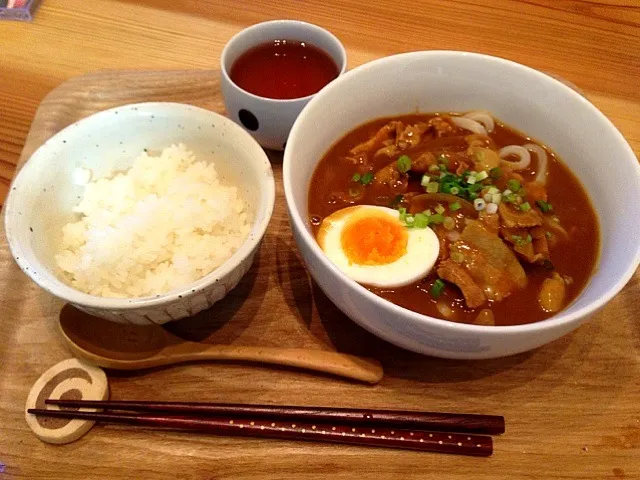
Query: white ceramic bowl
pixel 269 120
pixel 43 193
pixel 525 99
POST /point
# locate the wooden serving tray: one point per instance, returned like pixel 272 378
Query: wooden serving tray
pixel 572 407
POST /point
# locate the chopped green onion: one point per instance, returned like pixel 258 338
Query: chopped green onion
pixel 482 175
pixel 548 234
pixel 479 204
pixel 433 187
pixel 439 209
pixel 442 167
pixel 443 159
pixel 496 198
pixel 544 206
pixel 455 206
pixel 356 177
pixel 454 190
pixel 510 198
pixel 403 214
pixel 521 242
pixel 437 218
pixel 514 185
pixel 487 197
pixel 491 208
pixel 404 164
pixel 409 220
pixel 421 220
pixel 495 173
pixel 457 257
pixel 507 192
pixel 396 201
pixel 367 178
pixel 471 179
pixel 449 223
pixel 355 191
pixel 425 180
pixel 525 207
pixel 493 190
pixel 437 288
pixel 427 212
pixel 434 168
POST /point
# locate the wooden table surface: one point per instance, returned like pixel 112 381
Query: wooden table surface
pixel 595 44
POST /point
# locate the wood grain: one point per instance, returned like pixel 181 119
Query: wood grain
pixel 571 407
pixel 592 43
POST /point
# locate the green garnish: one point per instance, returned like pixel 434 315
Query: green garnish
pixel 356 177
pixel 457 257
pixel 455 206
pixel 495 173
pixel 425 180
pixel 434 168
pixel 437 288
pixel 439 209
pixel 449 223
pixel 437 218
pixel 511 198
pixel 367 178
pixel 396 201
pixel 443 159
pixel 420 220
pixel 404 164
pixel 525 207
pixel 355 191
pixel 521 242
pixel 513 184
pixel 454 190
pixel 403 214
pixel 433 187
pixel 544 206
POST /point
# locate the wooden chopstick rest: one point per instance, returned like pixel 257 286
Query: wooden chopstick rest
pixel 69 379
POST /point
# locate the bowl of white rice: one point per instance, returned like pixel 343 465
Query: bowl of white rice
pixel 141 214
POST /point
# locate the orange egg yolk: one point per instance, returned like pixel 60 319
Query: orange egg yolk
pixel 374 239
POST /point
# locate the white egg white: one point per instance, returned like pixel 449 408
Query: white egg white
pixel 421 255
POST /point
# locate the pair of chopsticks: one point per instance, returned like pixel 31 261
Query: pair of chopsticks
pixel 463 434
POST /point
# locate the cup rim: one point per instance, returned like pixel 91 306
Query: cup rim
pixel 342 67
pixel 561 318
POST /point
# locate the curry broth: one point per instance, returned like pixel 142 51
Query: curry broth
pixel 575 258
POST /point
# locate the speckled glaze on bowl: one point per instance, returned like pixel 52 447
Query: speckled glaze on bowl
pixel 43 193
pixel 443 81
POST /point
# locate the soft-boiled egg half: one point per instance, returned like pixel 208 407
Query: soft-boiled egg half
pixel 373 247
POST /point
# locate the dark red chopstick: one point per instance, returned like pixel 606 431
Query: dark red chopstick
pixel 432 421
pixel 453 443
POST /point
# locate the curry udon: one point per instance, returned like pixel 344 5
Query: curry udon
pixel 455 216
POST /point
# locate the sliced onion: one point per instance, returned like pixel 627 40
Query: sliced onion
pixel 483 117
pixel 518 151
pixel 445 310
pixel 470 125
pixel 543 161
pixel 453 235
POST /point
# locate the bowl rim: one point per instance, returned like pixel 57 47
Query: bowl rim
pixel 68 293
pixel 307 238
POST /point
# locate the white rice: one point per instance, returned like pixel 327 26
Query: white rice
pixel 164 223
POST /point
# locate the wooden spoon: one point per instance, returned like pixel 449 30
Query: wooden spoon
pixel 129 347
